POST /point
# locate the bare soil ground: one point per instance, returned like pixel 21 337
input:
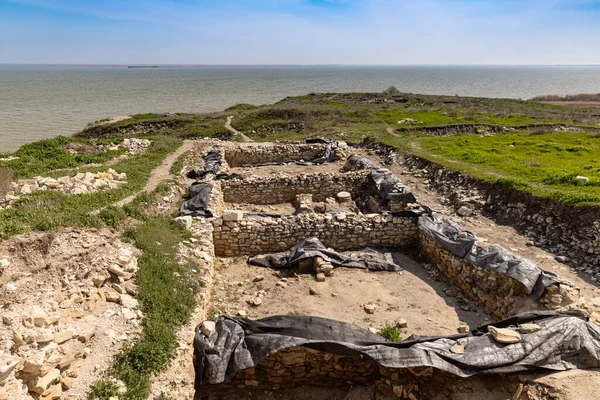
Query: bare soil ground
pixel 408 294
pixel 283 209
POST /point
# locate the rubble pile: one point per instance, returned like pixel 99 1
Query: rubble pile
pixel 81 183
pixel 67 300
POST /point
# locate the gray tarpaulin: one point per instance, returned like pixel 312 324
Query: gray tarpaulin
pixel 211 164
pixel 566 341
pixel 387 183
pixel 312 247
pixel 197 205
pixel 496 258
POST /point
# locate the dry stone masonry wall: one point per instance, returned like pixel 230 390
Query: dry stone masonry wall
pixel 235 234
pixel 573 233
pixel 277 190
pixel 299 366
pixel 343 231
pixel 242 155
pixel 500 296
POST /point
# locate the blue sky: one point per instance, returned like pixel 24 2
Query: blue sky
pixel 300 31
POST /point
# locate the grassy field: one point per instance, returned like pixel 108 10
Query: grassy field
pixel 546 165
pixel 47 210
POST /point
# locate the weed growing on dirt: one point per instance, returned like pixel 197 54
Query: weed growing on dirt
pixel 390 332
pixel 112 216
pixel 104 390
pixel 178 164
pixel 167 302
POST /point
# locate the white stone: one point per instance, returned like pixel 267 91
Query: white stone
pixel 504 335
pixel 233 215
pixel 208 328
pixel 183 222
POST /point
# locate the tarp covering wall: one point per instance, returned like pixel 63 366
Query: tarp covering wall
pixel 312 247
pixel 211 164
pixel 390 188
pixel 197 205
pixel 566 340
pixel 496 258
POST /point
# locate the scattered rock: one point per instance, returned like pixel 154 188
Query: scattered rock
pixel 529 328
pixel 320 277
pixel 457 349
pixel 208 328
pixel 370 308
pixel 464 211
pixel 401 323
pixel 313 291
pixel 255 302
pixel 184 222
pixel 504 335
pixel 242 313
pixel 463 329
pixel 258 278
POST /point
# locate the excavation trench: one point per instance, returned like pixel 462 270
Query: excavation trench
pixel 436 292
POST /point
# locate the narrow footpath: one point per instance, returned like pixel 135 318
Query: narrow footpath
pixel 235 131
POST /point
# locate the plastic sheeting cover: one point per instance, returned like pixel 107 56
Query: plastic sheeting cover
pixel 566 341
pixel 211 164
pixel 197 205
pixel 312 247
pixel 390 188
pixel 496 258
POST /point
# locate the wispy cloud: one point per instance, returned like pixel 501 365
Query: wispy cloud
pixel 311 31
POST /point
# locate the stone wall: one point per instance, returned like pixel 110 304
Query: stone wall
pixel 568 231
pixel 277 190
pixel 300 366
pixel 343 231
pixel 500 296
pixel 241 155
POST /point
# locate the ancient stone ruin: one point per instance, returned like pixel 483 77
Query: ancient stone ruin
pixel 349 206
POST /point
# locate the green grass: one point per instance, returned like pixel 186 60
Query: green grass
pixel 166 295
pixel 104 390
pixel 178 164
pixel 48 210
pixel 545 165
pixel 390 332
pixel 51 154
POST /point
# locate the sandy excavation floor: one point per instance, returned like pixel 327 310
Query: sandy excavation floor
pixel 428 307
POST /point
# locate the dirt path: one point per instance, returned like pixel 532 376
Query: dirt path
pixel 160 173
pixel 235 131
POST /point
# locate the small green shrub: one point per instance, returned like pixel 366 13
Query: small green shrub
pixel 390 332
pixel 103 390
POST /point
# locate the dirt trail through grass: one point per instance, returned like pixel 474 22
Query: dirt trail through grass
pixel 235 131
pixel 160 173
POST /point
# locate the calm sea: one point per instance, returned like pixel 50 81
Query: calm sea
pixel 39 102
